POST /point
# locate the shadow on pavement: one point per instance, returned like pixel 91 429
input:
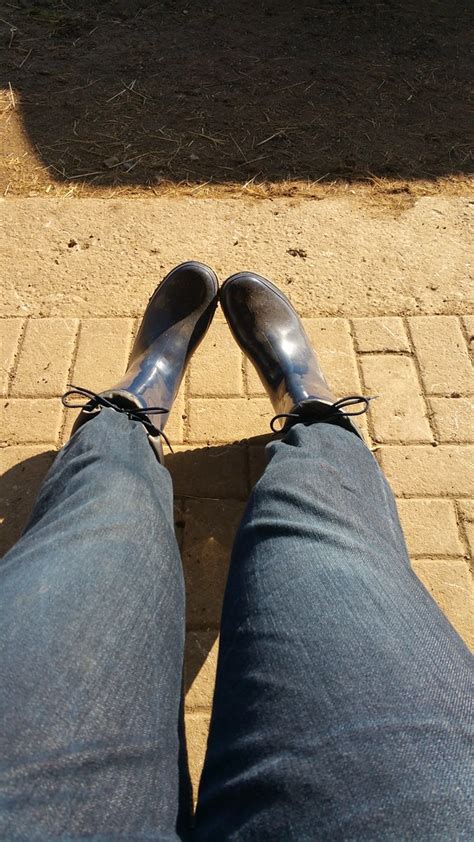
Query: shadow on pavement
pixel 211 487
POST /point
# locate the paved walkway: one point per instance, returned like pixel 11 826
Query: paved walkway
pixel 384 300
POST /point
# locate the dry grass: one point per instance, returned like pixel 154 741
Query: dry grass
pixel 24 175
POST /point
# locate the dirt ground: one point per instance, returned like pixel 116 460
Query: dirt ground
pixel 267 98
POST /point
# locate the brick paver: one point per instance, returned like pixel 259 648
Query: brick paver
pixel 430 527
pixel 418 471
pixel 466 514
pixel 399 412
pixel 107 340
pixel 453 418
pixel 197 728
pixel 231 420
pixel 381 334
pixel 468 324
pixel 209 529
pixel 199 471
pixel 46 358
pixel 175 427
pixel 23 469
pixel 442 355
pixel 332 339
pixel 420 429
pixel 11 333
pixel 200 670
pixel 450 584
pixel 30 421
pixel 216 369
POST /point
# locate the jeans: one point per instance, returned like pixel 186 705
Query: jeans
pixel 342 701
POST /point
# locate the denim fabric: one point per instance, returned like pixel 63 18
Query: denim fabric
pixel 343 696
pixel 342 701
pixel 92 641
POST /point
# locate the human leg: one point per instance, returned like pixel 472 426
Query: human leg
pixel 92 635
pixel 341 708
pixel 92 609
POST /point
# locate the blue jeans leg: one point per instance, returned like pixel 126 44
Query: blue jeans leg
pixel 92 638
pixel 342 702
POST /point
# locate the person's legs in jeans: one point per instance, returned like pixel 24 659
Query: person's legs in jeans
pixel 92 636
pixel 341 708
pixel 92 610
pixel 342 704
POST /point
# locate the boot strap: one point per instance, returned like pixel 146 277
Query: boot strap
pixel 315 411
pixel 95 402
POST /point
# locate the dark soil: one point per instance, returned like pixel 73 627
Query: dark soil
pixel 125 93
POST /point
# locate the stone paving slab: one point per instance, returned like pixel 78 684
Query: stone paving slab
pixel 415 358
pixel 339 257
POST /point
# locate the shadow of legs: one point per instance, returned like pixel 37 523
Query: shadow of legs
pixel 211 485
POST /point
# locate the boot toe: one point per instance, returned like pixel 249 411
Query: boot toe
pixel 191 285
pixel 251 302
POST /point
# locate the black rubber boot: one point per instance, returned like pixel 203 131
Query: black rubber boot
pixel 175 321
pixel 271 334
